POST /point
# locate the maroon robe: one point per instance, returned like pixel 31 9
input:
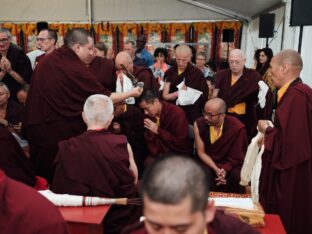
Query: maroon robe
pixel 245 90
pixel 96 163
pixel 13 160
pixel 193 78
pixel 173 133
pixel 60 85
pixel 222 224
pixel 21 64
pixel 39 58
pixel 24 210
pixel 105 72
pixel 228 152
pixel 15 112
pixel 146 76
pixel 286 177
pixel 131 124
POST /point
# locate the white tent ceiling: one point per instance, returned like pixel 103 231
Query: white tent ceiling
pixel 131 10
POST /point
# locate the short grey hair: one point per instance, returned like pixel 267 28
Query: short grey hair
pixel 77 36
pixel 98 109
pixel 130 42
pixel 6 31
pixel 4 86
pixel 172 178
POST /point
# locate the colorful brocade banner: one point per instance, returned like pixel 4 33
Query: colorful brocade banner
pixel 204 35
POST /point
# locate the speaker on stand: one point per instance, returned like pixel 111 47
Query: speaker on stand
pixel 266 27
pixel 228 36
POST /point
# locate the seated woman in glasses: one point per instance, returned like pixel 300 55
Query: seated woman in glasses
pixel 221 144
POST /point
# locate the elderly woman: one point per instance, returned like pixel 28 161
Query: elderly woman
pixel 160 66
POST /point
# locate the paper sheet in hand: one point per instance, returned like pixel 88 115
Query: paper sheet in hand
pixel 188 96
pixel 233 202
pixel 127 85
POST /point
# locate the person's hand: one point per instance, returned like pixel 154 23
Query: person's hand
pixel 137 91
pixel 116 127
pixel 221 174
pixel 263 125
pixel 4 122
pixel 150 125
pixel 6 64
pixel 184 87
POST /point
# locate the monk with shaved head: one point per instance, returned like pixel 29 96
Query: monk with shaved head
pixel 221 144
pixel 286 177
pixel 238 87
pixel 185 71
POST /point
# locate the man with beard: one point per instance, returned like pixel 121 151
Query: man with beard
pixel 221 144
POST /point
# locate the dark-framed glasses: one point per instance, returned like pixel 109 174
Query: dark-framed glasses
pixel 209 114
pixel 4 40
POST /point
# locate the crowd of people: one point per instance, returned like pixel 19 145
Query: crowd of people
pixel 85 124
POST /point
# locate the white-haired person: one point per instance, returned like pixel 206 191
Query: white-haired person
pixel 98 163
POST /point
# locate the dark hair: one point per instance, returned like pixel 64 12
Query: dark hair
pixel 211 79
pixel 162 51
pixel 262 68
pixel 172 178
pixel 148 95
pixel 101 46
pixel 52 34
pixel 77 36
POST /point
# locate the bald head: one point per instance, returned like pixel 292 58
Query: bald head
pixel 237 60
pixel 98 110
pixel 184 50
pixel 217 104
pixel 173 178
pixel 237 53
pixel 290 57
pixel 125 59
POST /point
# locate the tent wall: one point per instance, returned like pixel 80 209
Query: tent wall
pixel 286 37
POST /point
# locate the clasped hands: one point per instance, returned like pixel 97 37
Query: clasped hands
pixel 221 174
pixel 5 64
pixel 150 125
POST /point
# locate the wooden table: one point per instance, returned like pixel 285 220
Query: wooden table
pixel 85 220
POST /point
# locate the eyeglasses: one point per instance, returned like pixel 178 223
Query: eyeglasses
pixel 208 114
pixel 4 40
pixel 122 67
pixel 42 39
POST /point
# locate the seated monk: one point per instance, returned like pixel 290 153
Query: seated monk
pixel 98 163
pixel 221 144
pixel 175 200
pixel 24 210
pixel 166 126
pixel 11 112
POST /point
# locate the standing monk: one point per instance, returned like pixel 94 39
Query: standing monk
pixel 286 176
pixel 221 144
pixel 60 85
pixel 166 127
pixel 238 87
pixel 192 77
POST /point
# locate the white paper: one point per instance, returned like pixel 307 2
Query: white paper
pixel 233 202
pixel 263 90
pixel 188 96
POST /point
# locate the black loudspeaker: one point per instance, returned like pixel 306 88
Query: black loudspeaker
pixel 42 25
pixel 300 13
pixel 228 35
pixel 266 25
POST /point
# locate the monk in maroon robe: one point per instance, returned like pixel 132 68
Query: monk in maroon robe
pixel 221 144
pixel 175 198
pixel 124 64
pixel 238 87
pixel 60 85
pixel 24 210
pixel 15 66
pixel 192 77
pixel 104 71
pixel 99 163
pixel 166 127
pixel 285 181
